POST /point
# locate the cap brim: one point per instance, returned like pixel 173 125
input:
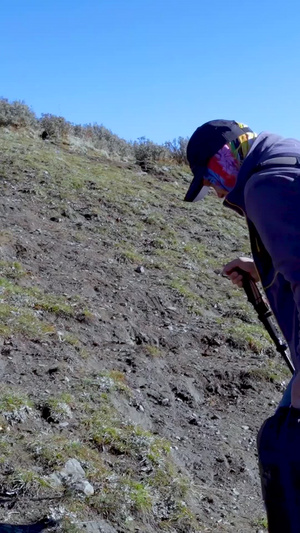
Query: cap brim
pixel 197 190
pixel 204 191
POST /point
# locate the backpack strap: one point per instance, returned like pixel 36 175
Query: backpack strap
pixel 279 161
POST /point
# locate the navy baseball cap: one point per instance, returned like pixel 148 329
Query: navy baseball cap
pixel 205 142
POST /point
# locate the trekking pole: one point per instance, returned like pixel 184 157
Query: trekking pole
pixel 264 314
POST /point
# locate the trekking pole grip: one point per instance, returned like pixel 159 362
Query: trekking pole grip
pixel 253 294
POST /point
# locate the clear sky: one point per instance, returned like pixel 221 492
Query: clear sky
pixel 154 68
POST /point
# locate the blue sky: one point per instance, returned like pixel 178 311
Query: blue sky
pixel 154 68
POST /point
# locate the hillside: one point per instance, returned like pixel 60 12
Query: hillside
pixel 122 347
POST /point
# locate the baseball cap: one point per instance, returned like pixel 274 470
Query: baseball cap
pixel 205 142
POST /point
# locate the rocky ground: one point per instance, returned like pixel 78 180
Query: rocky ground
pixel 134 378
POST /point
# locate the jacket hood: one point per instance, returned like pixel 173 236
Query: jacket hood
pixel 265 146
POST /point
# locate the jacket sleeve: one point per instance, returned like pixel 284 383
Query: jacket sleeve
pixel 272 202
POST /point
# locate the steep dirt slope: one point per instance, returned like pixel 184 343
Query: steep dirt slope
pixel 123 347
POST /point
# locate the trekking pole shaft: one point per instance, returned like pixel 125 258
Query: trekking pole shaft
pixel 280 346
pixel 263 311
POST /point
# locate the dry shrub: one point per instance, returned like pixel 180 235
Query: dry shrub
pixel 147 153
pixel 16 114
pixel 103 139
pixel 177 149
pixel 55 127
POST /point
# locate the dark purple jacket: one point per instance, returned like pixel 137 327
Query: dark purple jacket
pixel 270 201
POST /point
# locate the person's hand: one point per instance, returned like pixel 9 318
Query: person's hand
pixel 244 263
pixel 295 395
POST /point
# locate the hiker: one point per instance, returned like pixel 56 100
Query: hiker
pixel 258 176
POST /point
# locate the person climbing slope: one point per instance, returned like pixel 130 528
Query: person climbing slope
pixel 258 176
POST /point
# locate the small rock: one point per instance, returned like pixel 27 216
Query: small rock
pixel 53 370
pixel 73 468
pixel 18 415
pixel 165 401
pixel 56 414
pixel 5 350
pixel 82 317
pixel 140 269
pixel 54 480
pixel 194 422
pixel 84 486
pixel 63 424
pixel 72 476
